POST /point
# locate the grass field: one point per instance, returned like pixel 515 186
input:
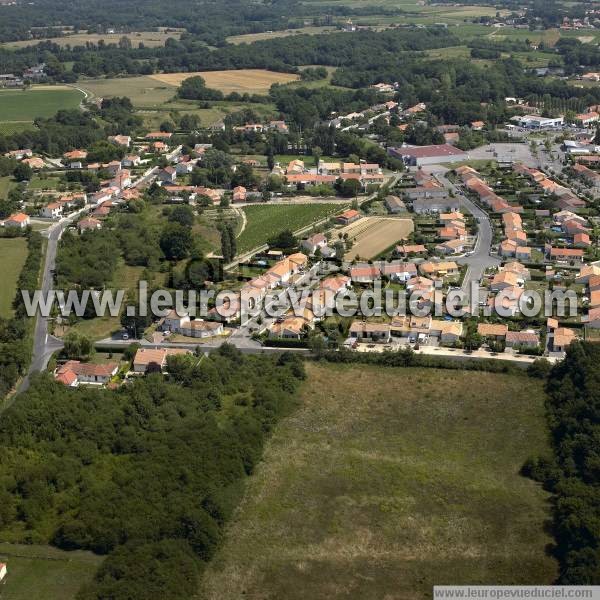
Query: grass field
pixel 13 252
pixel 142 91
pixel 151 39
pixel 242 80
pixel 265 222
pixel 249 38
pixel 45 572
pixel 6 183
pixel 21 107
pixel 155 100
pixel 387 481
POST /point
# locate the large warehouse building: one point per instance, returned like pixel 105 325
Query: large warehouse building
pixel 418 156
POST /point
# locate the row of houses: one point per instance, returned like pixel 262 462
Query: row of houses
pixel 565 198
pixel 297 175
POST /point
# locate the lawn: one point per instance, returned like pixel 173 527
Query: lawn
pixel 6 183
pixel 23 106
pixel 265 222
pixel 142 91
pixel 14 253
pixel 387 481
pixel 45 572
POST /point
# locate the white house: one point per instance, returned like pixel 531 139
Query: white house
pixel 318 240
pixel 2 571
pixel 20 220
pixel 201 329
pixel 52 211
pixel 174 322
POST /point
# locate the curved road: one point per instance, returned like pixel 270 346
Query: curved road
pixel 480 260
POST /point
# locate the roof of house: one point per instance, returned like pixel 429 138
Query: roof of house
pixel 566 252
pixel 522 337
pixel 18 218
pixel 564 336
pixel 492 329
pixel 88 369
pixel 508 277
pixel 349 214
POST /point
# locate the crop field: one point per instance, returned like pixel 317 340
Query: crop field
pixel 45 572
pixel 21 107
pixel 373 235
pixel 13 252
pixel 265 222
pixel 387 481
pixel 242 80
pixel 151 39
pixel 249 38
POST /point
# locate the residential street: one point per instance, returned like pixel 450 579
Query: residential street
pixel 480 259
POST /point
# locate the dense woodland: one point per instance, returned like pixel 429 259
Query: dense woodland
pixel 209 20
pixel 148 474
pixel 573 473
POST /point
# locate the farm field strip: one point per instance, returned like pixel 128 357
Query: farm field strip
pixel 373 235
pixel 265 222
pixel 14 253
pixel 241 80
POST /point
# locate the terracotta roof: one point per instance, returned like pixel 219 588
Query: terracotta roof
pixel 492 329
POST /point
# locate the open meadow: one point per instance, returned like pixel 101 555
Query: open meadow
pixel 373 235
pixel 14 253
pixel 45 572
pixel 150 39
pixel 21 107
pixel 386 481
pixel 265 222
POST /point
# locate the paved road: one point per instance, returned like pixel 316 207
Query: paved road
pixel 480 260
pixel 44 344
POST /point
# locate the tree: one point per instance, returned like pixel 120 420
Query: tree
pixel 77 347
pixel 22 172
pixel 184 215
pixel 226 250
pixel 284 240
pixel 175 241
pixel 349 188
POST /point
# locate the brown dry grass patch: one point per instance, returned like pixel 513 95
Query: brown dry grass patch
pixel 373 235
pixel 242 81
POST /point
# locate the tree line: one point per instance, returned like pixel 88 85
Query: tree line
pixel 572 473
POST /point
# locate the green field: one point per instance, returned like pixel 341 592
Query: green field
pixel 45 572
pixel 156 100
pixel 13 252
pixel 39 101
pixel 264 222
pixel 387 481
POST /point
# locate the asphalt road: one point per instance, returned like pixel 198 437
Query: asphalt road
pixel 480 260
